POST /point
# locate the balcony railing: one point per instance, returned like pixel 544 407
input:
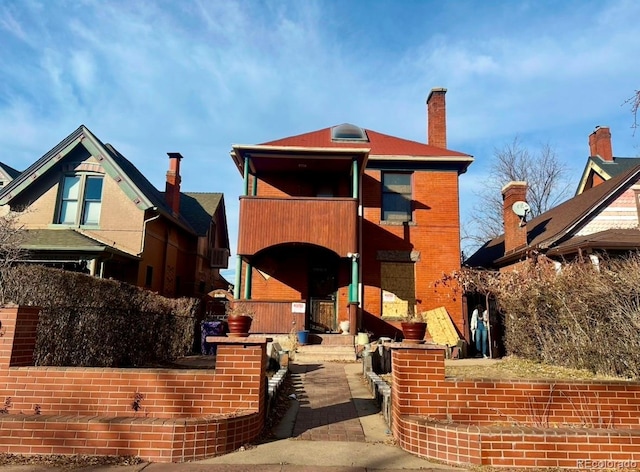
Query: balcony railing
pixel 275 316
pixel 326 222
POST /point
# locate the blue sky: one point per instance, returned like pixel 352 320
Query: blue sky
pixel 195 77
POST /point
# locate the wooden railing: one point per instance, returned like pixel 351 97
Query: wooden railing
pixel 326 222
pixel 275 316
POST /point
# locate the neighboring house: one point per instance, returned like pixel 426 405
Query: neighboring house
pixel 604 218
pixel 346 223
pixel 7 174
pixel 87 208
pixel 602 165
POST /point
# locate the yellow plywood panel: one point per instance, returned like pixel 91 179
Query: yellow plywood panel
pixel 441 327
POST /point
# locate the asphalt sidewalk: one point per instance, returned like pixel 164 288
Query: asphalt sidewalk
pixel 334 425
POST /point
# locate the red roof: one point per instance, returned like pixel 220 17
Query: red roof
pixel 380 144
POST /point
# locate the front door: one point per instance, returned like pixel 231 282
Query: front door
pixel 322 295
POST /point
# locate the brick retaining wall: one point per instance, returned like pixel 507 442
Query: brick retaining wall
pixel 511 424
pixel 181 414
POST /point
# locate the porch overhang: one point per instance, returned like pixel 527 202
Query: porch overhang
pixel 265 159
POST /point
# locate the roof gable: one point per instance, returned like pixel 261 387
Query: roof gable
pixel 199 209
pixel 81 136
pixel 8 173
pixel 378 143
pixel 604 169
pixel 129 179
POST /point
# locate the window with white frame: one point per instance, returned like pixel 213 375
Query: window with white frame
pixel 80 200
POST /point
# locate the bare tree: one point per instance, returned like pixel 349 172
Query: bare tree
pixel 546 177
pixel 12 236
pixel 634 103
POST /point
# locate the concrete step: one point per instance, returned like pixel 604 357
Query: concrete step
pixel 331 339
pixel 324 352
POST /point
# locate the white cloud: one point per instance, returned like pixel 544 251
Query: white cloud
pixel 196 76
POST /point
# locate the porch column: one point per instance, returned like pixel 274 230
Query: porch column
pixel 355 178
pixel 354 295
pixel 247 281
pixel 238 281
pixel 246 176
pixel 353 287
pixel 238 278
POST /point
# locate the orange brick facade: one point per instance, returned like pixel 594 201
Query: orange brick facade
pixel 434 233
pixel 162 415
pixel 576 425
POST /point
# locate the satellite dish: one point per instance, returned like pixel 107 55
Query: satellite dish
pixel 521 208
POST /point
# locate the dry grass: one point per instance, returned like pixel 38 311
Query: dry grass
pixel 516 368
pixel 512 368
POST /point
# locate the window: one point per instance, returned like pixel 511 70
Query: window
pixel 81 200
pixel 396 196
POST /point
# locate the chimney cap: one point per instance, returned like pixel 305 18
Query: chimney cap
pixel 174 155
pixel 514 183
pixel 436 90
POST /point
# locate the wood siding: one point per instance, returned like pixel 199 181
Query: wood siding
pixel 326 222
pixel 275 317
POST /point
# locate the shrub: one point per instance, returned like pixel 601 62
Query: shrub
pixel 583 316
pixel 87 321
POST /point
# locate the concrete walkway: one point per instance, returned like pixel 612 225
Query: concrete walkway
pixel 333 426
pixel 336 424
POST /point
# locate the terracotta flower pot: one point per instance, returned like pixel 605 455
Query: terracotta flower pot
pixel 414 331
pixel 239 326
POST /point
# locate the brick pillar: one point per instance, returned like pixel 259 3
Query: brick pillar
pixel 515 235
pixel 437 118
pixel 18 340
pixel 600 143
pixel 416 372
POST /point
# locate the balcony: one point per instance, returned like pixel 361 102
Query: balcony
pixel 275 316
pixel 326 222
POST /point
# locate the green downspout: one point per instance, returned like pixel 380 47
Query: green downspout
pixel 238 280
pixel 353 289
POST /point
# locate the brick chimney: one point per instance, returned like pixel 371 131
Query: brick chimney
pixel 515 236
pixel 172 188
pixel 600 143
pixel 437 118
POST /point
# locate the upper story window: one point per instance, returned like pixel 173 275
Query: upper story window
pixel 80 200
pixel 396 196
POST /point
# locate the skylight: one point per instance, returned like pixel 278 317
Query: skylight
pixel 348 132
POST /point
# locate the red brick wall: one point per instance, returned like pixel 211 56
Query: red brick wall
pixel 435 233
pixel 511 424
pixel 18 338
pixel 183 414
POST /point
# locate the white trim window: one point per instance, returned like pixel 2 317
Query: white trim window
pixel 80 200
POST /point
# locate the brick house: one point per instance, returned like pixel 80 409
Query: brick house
pixel 603 217
pixel 87 208
pixel 346 223
pixel 602 164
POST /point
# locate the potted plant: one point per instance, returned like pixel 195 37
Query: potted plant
pixel 239 318
pixel 414 327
